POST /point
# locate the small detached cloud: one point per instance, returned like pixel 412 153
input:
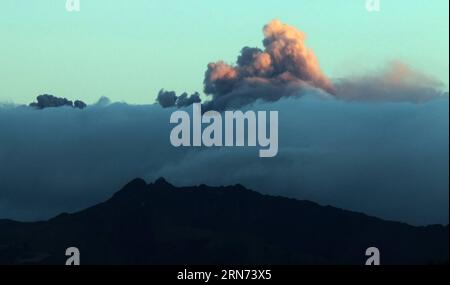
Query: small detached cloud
pixel 103 102
pixel 168 99
pixel 50 101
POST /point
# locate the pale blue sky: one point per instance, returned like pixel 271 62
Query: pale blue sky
pixel 128 50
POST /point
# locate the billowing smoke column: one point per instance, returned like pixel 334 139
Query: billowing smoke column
pixel 169 99
pixel 285 67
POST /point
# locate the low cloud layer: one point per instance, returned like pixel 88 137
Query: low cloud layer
pixel 388 160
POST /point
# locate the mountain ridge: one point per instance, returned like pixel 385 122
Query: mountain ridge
pixel 159 223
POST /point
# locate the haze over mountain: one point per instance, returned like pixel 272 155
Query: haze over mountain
pixel 388 160
pixel 161 224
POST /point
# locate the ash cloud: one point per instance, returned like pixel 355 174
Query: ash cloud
pixel 285 67
pixel 168 99
pixel 396 83
pixel 185 100
pixel 50 101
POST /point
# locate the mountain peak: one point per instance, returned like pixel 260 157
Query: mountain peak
pixel 162 182
pixel 136 183
pixel 133 186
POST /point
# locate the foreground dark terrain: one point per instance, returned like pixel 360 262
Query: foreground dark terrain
pixel 162 224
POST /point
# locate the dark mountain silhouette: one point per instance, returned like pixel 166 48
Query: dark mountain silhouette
pixel 162 224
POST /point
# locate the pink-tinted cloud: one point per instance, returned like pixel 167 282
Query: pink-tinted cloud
pixel 285 67
pixel 397 83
